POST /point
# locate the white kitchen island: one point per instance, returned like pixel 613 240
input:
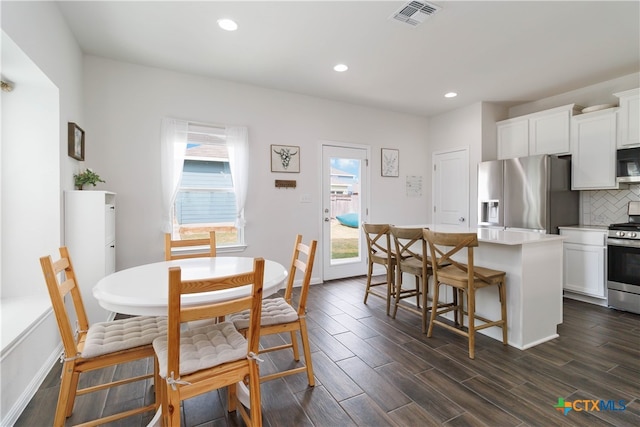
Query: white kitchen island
pixel 533 263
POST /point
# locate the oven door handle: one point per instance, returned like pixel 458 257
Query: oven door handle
pixel 628 243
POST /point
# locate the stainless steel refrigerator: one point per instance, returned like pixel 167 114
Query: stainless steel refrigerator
pixel 529 193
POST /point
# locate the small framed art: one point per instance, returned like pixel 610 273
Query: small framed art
pixel 390 162
pixel 285 158
pixel 76 141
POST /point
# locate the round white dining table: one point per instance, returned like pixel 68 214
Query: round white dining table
pixel 144 290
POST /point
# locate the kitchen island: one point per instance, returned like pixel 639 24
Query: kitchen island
pixel 533 263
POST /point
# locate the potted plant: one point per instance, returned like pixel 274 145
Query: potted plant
pixel 86 177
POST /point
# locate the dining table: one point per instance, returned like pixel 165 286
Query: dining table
pixel 144 290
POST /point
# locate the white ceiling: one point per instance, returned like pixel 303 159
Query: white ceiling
pixel 505 51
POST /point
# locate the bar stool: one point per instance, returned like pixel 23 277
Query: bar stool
pixel 411 253
pixel 379 251
pixel 465 279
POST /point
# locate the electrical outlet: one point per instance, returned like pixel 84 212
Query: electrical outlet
pixel 305 198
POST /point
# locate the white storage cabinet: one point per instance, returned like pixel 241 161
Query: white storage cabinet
pixel 513 138
pixel 90 236
pixel 593 149
pixel 544 132
pixel 585 258
pixel 629 119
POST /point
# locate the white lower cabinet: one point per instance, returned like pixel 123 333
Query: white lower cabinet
pixel 585 258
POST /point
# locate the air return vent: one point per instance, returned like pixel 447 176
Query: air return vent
pixel 415 12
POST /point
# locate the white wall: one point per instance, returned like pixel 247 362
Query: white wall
pixel 35 169
pixel 600 93
pixel 461 128
pixel 125 104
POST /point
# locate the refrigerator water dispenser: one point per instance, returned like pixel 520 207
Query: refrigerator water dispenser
pixel 489 212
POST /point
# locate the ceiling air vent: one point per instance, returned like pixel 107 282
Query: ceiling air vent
pixel 415 12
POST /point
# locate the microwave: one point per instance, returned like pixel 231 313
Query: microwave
pixel 628 165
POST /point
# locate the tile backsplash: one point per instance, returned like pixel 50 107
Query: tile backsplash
pixel 604 207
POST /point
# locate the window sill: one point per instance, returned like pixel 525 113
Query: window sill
pixel 231 249
pixel 219 249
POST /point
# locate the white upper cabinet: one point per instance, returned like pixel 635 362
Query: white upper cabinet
pixel 513 138
pixel 593 149
pixel 549 133
pixel 629 119
pixel 545 132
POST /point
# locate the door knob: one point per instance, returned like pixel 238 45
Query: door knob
pixel 326 220
pixel 461 219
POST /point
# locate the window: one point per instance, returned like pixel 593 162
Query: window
pixel 209 169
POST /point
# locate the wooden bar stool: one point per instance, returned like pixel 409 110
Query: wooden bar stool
pixel 411 253
pixel 465 279
pixel 379 251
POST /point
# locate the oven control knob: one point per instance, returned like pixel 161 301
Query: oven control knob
pixel 620 233
pixel 632 234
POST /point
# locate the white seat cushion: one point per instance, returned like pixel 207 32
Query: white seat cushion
pixel 109 337
pixel 274 312
pixel 203 347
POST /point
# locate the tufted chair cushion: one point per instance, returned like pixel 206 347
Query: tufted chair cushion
pixel 109 337
pixel 203 347
pixel 274 311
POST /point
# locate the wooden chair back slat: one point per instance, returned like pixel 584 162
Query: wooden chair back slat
pixel 378 239
pixel 207 247
pixel 57 292
pixel 304 267
pixel 409 243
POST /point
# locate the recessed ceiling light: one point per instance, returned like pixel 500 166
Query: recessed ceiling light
pixel 450 95
pixel 341 68
pixel 227 24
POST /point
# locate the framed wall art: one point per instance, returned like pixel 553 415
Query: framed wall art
pixel 285 158
pixel 76 141
pixel 390 162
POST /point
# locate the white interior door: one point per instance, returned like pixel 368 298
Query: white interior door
pixel 451 187
pixel 344 206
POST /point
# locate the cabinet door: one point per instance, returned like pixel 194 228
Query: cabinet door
pixel 593 148
pixel 629 120
pixel 549 133
pixel 513 139
pixel 109 223
pixel 584 269
pixel 110 258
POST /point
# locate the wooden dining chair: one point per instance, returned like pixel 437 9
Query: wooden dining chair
pixel 465 279
pixel 380 252
pixel 205 247
pixel 97 346
pixel 195 361
pixel 412 259
pixel 280 314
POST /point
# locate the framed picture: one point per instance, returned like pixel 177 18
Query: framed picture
pixel 285 158
pixel 390 162
pixel 76 141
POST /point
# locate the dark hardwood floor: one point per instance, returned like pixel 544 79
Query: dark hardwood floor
pixel 372 370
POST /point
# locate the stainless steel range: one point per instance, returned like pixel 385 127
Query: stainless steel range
pixel 623 262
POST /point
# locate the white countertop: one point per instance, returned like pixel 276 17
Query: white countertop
pixel 496 235
pixel 584 227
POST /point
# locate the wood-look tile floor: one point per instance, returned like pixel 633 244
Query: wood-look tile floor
pixel 372 370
